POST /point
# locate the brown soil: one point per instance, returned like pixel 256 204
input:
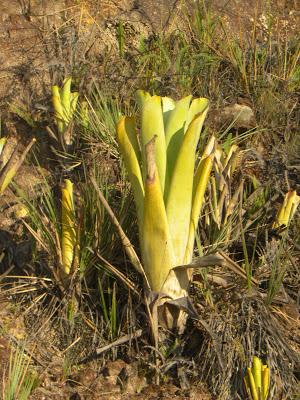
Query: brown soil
pixel 31 49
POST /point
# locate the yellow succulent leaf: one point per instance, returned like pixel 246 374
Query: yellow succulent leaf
pixel 280 216
pixel 252 385
pixel 168 105
pixel 233 149
pixel 68 236
pixel 174 131
pixel 65 96
pixel 129 147
pixel 197 106
pixel 291 198
pixel 58 109
pixel 288 208
pixel 73 104
pixel 294 206
pixel 11 167
pixel 157 252
pixel 141 97
pixel 179 201
pixel 176 119
pixel 247 385
pixel 57 101
pixel 256 371
pixel 153 124
pixel 200 185
pixel 265 382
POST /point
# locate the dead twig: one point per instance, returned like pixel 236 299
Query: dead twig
pixel 118 342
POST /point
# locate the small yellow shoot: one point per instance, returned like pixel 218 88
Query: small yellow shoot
pixel 287 210
pixel 68 234
pixel 257 380
pixel 64 104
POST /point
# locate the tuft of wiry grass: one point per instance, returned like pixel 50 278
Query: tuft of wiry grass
pixel 19 381
pixel 97 119
pixel 244 328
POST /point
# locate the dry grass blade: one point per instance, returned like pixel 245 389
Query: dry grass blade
pixel 36 236
pixel 233 266
pixel 5 274
pixel 118 274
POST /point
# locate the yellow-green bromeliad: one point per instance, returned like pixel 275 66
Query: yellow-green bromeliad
pixel 169 177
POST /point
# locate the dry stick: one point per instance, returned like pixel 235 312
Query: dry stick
pixel 121 340
pixel 217 280
pixel 118 342
pixel 2 155
pixel 153 320
pixel 11 162
pixel 71 345
pixel 125 241
pixel 51 133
